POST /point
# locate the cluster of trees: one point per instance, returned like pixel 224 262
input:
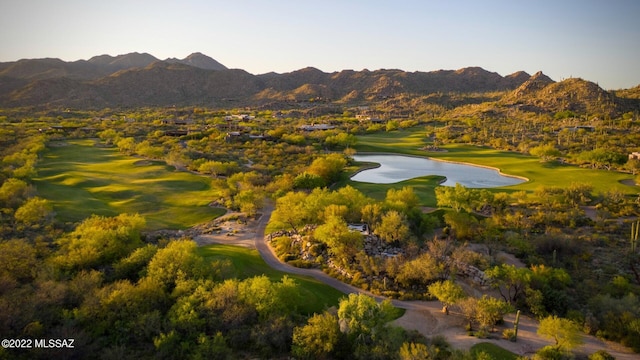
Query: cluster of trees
pixel 115 295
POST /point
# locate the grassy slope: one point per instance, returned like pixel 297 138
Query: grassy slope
pixel 248 263
pixel 539 174
pixel 81 179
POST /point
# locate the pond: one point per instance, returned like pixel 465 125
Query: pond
pixel 396 168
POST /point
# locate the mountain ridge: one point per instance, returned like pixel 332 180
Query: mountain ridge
pixel 140 79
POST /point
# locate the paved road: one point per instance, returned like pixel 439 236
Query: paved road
pixel 426 317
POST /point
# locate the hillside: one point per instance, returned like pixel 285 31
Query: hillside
pixel 139 79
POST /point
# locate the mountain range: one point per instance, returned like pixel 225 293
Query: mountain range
pixel 140 79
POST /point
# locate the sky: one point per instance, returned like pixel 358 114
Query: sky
pixel 598 41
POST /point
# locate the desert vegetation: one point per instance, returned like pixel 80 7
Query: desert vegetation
pixel 84 192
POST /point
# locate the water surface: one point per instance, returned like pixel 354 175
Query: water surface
pixel 396 168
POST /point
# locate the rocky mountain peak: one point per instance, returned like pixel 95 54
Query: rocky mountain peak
pixel 199 60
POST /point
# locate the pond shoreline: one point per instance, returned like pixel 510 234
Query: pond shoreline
pixel 377 165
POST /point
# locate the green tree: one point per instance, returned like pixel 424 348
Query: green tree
pixel 447 292
pixel 465 226
pixel 340 140
pixel 127 145
pixel 178 260
pixel 403 200
pixel 371 215
pixel 458 197
pixel 342 242
pixel 364 321
pixel 100 240
pixel 14 192
pixel 34 211
pixel 546 152
pixel 328 167
pixel 318 339
pixel 18 260
pixel 308 181
pixel 490 310
pixel 415 351
pixel 510 281
pixel 291 211
pixel 603 158
pixel 564 332
pixel 249 201
pixel 393 227
pixel 420 271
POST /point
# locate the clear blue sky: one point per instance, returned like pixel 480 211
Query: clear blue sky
pixel 595 40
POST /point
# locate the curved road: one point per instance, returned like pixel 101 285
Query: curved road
pixel 427 317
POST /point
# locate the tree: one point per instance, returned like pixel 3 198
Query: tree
pixel 342 242
pixel 469 309
pixel 464 225
pixel 127 145
pixel 633 165
pixel 18 260
pixel 490 310
pixel 603 158
pixel 308 181
pixel 13 192
pixel 364 321
pixel 578 194
pixel 393 227
pixel 318 339
pixel 458 198
pixel 100 240
pixel 546 152
pixel 564 332
pixel 371 214
pixel 447 292
pixel 340 140
pixel 421 270
pixel 34 211
pixel 328 167
pixel 415 351
pixel 403 200
pixel 178 260
pixel 510 281
pixel 291 211
pixel 249 202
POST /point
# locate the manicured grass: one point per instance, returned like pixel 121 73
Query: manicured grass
pixel 423 186
pixel 495 351
pixel 81 179
pixel 248 263
pixel 410 141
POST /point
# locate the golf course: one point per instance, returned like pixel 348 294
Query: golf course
pixel 549 174
pixel 81 179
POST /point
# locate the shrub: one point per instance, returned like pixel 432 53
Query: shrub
pixel 299 263
pixel 601 355
pixel 509 334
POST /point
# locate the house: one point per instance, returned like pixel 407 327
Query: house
pixel 361 228
pixel 634 155
pixel 314 127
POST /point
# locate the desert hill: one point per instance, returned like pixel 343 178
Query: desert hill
pixel 140 79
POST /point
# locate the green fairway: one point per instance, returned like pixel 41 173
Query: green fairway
pixel 81 179
pixel 248 263
pixel 539 174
